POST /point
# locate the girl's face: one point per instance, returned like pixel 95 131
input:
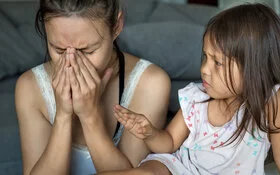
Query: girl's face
pixel 216 72
pixel 92 38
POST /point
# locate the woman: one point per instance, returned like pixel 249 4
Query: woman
pixel 65 106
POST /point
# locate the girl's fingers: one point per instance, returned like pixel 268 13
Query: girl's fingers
pixel 124 117
pixel 121 109
pixel 140 131
pixel 120 119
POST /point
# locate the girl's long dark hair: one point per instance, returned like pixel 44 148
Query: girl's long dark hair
pixel 249 34
pixel 106 10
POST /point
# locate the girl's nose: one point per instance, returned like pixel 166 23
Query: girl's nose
pixel 205 67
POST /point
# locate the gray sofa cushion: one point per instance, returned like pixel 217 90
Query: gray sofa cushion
pixel 174 46
pixel 10 159
pixel 16 54
pixel 191 13
pixel 29 34
pixel 138 11
pixel 8 85
pixel 20 12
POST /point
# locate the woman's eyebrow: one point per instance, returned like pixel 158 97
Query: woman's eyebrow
pixel 89 46
pixel 81 48
pixel 56 47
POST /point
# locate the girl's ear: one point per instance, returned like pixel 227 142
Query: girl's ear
pixel 119 25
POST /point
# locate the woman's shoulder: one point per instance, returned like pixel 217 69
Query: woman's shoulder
pixel 27 80
pixel 152 76
pixel 27 91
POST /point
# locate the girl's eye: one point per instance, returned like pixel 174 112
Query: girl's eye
pixel 218 63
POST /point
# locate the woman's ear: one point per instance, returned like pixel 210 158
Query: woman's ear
pixel 119 25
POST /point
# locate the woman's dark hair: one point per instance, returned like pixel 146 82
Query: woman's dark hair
pixel 106 10
pixel 249 34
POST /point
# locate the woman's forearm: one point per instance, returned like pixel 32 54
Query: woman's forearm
pixel 105 155
pixel 56 157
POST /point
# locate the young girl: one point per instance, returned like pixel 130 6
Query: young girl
pixel 64 105
pixel 226 124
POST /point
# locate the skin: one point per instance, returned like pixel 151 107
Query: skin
pixel 214 81
pixel 84 74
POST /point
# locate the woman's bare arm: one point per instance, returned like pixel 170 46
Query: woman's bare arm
pixel 45 148
pixel 153 85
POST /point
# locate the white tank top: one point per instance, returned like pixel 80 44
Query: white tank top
pixel 81 162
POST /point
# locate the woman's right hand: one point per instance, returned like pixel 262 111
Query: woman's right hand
pixel 135 123
pixel 61 87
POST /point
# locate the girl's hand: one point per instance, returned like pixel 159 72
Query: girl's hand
pixel 87 86
pixel 135 123
pixel 61 87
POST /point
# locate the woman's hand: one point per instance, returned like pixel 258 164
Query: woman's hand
pixel 61 87
pixel 87 86
pixel 135 123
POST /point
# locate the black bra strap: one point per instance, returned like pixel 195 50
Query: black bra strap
pixel 121 79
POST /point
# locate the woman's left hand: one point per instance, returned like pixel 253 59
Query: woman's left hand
pixel 87 86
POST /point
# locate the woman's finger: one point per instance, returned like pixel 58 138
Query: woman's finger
pixel 61 82
pixel 58 65
pixel 91 82
pixel 66 88
pixel 103 81
pixel 89 66
pixel 79 75
pixel 57 75
pixel 73 81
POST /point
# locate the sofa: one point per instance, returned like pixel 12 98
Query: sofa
pixel 169 35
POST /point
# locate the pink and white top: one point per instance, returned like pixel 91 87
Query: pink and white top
pixel 205 151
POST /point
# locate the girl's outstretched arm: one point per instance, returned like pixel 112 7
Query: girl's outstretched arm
pixel 158 141
pixel 275 137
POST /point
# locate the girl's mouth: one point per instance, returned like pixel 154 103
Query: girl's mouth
pixel 205 84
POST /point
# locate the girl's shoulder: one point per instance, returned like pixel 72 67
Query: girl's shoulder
pixel 193 92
